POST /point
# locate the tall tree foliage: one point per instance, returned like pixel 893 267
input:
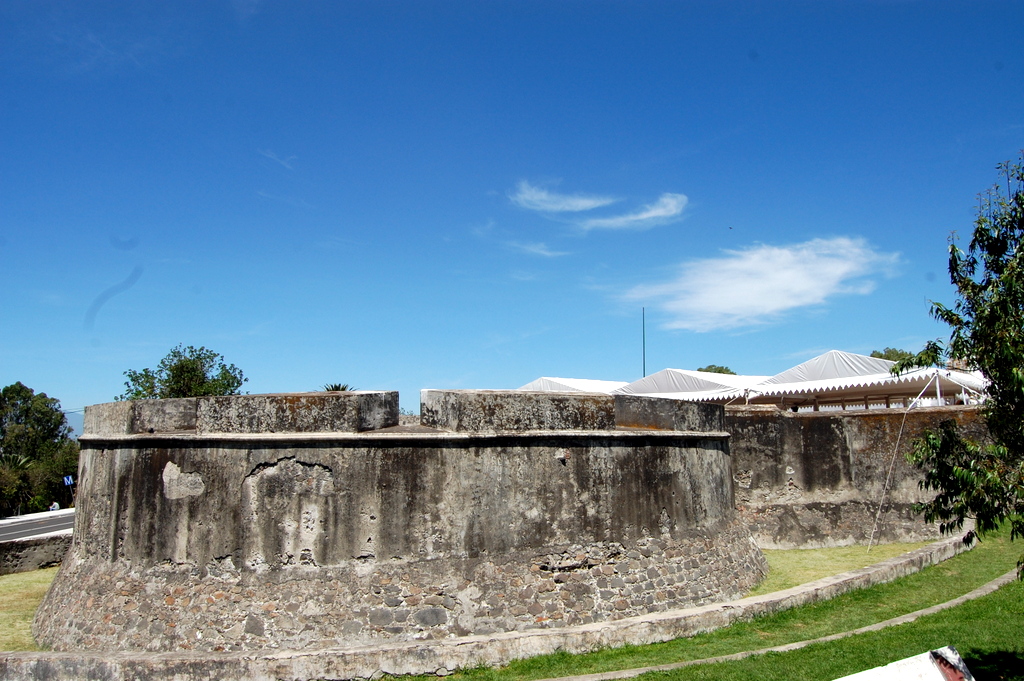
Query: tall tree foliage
pixel 36 451
pixel 184 372
pixel 892 354
pixel 717 369
pixel 983 481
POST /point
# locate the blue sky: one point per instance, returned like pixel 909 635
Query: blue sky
pixel 407 195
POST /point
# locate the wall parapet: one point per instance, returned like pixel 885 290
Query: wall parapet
pixel 349 411
pixel 522 411
pixel 455 413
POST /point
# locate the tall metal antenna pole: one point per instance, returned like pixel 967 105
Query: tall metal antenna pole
pixel 643 326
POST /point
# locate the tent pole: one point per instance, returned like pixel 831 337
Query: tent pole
pixel 892 462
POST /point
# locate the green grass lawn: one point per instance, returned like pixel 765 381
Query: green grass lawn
pixel 988 633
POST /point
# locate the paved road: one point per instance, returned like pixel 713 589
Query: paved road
pixel 35 524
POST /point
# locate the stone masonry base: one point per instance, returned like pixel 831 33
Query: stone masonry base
pixel 175 607
pixel 445 655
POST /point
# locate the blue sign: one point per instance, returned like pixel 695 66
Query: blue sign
pixel 69 480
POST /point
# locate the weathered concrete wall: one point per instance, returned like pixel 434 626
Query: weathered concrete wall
pixel 23 555
pixel 814 479
pixel 239 536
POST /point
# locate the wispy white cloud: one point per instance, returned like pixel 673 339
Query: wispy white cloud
pixel 484 230
pixel 668 208
pixel 83 50
pixel 286 162
pixel 539 199
pixel 246 8
pixel 340 242
pixel 757 285
pixel 290 200
pixel 535 249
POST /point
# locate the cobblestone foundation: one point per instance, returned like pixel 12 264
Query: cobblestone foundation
pixel 171 607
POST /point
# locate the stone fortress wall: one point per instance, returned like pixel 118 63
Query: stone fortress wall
pixel 814 479
pixel 315 520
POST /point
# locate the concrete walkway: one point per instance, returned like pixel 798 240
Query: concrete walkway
pixel 445 655
pixel 902 619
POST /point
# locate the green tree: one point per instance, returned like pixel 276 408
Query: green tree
pixel 983 481
pixel 184 372
pixel 715 369
pixel 15 487
pixel 892 354
pixel 36 451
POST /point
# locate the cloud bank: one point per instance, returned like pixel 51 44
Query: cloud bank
pixel 757 285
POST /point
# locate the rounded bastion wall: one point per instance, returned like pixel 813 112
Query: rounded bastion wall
pixel 314 520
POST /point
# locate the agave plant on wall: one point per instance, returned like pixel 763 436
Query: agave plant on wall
pixel 338 387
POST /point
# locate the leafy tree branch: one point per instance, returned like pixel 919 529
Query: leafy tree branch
pixel 982 481
pixel 184 372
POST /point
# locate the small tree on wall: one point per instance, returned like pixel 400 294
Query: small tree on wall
pixel 184 372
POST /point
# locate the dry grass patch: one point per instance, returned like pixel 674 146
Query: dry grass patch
pixel 798 566
pixel 20 595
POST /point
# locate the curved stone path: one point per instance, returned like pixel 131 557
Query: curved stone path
pixel 902 619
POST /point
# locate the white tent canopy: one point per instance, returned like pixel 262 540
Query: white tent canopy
pixel 833 364
pixel 686 380
pixel 931 383
pixel 835 378
pixel 585 385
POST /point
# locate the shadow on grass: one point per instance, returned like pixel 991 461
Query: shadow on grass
pixel 996 665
